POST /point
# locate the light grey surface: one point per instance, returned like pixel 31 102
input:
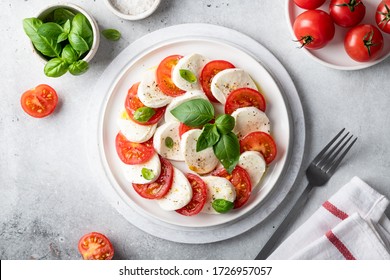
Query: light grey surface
pixel 49 196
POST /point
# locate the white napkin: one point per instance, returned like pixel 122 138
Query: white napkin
pixel 350 225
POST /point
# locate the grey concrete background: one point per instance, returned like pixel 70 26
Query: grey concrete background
pixel 48 195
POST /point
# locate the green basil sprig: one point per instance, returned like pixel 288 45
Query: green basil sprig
pixel 208 138
pixel 194 112
pixel 222 205
pixel 143 114
pixel 111 34
pixel 187 75
pixel 147 173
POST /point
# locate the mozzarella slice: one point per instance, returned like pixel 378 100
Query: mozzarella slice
pixel 250 119
pixel 133 131
pixel 133 173
pixel 254 163
pixel 149 93
pixel 180 193
pixel 194 63
pixel 228 80
pixel 189 95
pixel 168 130
pixel 218 188
pixel 200 162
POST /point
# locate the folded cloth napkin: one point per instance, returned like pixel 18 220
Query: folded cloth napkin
pixel 350 225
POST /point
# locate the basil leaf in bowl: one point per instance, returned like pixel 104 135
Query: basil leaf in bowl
pixel 78 67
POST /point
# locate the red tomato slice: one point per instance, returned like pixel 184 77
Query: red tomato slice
pixel 133 153
pixel 133 103
pixel 40 101
pixel 261 142
pixel 183 128
pixel 95 246
pixel 161 186
pixel 244 97
pixel 241 182
pixel 164 76
pixel 199 196
pixel 209 71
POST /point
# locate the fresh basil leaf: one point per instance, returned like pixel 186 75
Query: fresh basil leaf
pixel 111 34
pixel 78 67
pixel 187 75
pixel 227 150
pixel 30 26
pixel 67 26
pixel 147 173
pixel 81 34
pixel 78 43
pixel 56 67
pixel 208 137
pixel 194 112
pixel 62 15
pixel 62 37
pixel 50 30
pixel 222 205
pixel 69 54
pixel 225 123
pixel 143 114
pixel 169 142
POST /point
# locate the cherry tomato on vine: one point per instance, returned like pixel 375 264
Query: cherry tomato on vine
pixel 309 4
pixel 382 16
pixel 314 29
pixel 347 13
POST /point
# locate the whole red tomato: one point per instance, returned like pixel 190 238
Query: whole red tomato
pixel 347 13
pixel 363 43
pixel 314 29
pixel 382 16
pixel 309 4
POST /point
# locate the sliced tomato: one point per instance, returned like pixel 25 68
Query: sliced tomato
pixel 164 76
pixel 95 246
pixel 133 103
pixel 261 142
pixel 161 186
pixel 40 101
pixel 133 153
pixel 199 196
pixel 209 71
pixel 183 128
pixel 241 182
pixel 244 97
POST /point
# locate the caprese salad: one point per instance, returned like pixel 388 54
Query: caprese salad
pixel 205 113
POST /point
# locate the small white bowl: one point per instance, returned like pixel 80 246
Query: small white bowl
pixel 123 15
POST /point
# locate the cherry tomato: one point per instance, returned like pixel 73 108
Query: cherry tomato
pixel 133 153
pixel 241 182
pixel 199 196
pixel 164 76
pixel 209 71
pixel 244 97
pixel 132 103
pixel 382 16
pixel 40 101
pixel 309 4
pixel 261 142
pixel 161 186
pixel 95 246
pixel 314 29
pixel 347 13
pixel 363 43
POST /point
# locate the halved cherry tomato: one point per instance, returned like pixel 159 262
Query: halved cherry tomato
pixel 133 103
pixel 164 76
pixel 199 196
pixel 261 142
pixel 241 182
pixel 347 13
pixel 161 186
pixel 209 71
pixel 133 153
pixel 382 16
pixel 244 97
pixel 40 101
pixel 309 4
pixel 95 246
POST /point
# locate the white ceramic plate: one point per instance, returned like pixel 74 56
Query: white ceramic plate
pixel 333 55
pixel 213 49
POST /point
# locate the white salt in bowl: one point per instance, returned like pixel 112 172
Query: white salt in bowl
pixel 120 9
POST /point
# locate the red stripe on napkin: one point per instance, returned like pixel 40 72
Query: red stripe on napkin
pixel 334 210
pixel 340 246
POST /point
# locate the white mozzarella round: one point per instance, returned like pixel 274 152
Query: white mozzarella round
pixel 253 162
pixel 217 188
pixel 149 93
pixel 194 63
pixel 228 80
pixel 168 130
pixel 250 119
pixel 133 173
pixel 201 162
pixel 189 95
pixel 180 193
pixel 133 131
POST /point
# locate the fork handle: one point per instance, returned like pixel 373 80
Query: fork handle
pixel 269 246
